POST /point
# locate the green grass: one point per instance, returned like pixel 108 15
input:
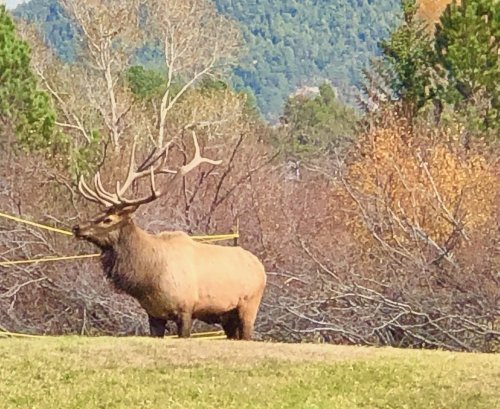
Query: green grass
pixel 74 372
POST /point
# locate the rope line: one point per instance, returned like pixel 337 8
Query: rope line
pixel 196 335
pixel 68 233
pixel 45 259
pixel 202 238
pixel 42 226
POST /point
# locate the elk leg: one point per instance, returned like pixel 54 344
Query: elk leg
pixel 247 314
pixel 245 328
pixel 184 323
pixel 230 323
pixel 157 326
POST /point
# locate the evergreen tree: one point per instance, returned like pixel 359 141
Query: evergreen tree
pixel 145 83
pixel 410 59
pixel 454 70
pixel 23 106
pixel 318 124
pixel 468 48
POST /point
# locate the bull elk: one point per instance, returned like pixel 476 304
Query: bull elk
pixel 172 276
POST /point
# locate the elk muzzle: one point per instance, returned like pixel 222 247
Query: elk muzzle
pixel 80 231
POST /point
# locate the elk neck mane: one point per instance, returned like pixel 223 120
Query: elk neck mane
pixel 123 262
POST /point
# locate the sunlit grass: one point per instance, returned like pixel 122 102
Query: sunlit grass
pixel 72 372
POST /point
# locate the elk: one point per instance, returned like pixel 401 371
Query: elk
pixel 172 276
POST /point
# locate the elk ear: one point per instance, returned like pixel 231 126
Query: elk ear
pixel 128 210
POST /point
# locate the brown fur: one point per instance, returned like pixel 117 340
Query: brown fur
pixel 177 278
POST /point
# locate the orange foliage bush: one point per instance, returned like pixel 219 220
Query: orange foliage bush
pixel 416 189
pixel 431 10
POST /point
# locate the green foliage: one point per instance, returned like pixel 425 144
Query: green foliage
pixel 410 57
pixel 57 29
pixel 82 160
pixel 288 43
pixel 455 73
pixel 211 84
pixel 468 48
pixel 27 108
pixel 148 83
pixel 317 124
pixel 145 83
pixel 291 43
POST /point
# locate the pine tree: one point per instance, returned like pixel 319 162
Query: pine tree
pixel 23 107
pixel 316 125
pixel 467 47
pixel 410 58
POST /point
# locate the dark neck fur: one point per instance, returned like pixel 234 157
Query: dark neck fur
pixel 119 262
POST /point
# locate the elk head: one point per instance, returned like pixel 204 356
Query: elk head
pixel 104 230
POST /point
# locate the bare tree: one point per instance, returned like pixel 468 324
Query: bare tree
pixel 92 95
pixel 196 43
pixel 109 34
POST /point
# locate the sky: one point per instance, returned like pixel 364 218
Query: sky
pixel 11 3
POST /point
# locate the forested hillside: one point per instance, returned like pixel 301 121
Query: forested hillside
pixel 295 43
pixel 287 44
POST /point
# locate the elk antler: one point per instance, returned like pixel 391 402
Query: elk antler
pixel 152 165
pixel 195 162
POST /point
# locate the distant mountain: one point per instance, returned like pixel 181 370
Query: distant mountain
pixel 297 43
pixel 56 27
pixel 289 43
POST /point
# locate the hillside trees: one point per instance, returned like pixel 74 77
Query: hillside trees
pixel 24 108
pixel 451 72
pixel 58 31
pixel 292 44
pixel 287 45
pixel 315 126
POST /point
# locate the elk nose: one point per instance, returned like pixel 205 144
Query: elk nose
pixel 76 229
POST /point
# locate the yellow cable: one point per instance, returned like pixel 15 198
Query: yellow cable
pixel 42 226
pixel 217 236
pixel 203 238
pixel 17 335
pixel 196 335
pixel 68 233
pixel 202 335
pixel 47 259
pixel 38 260
pixel 207 240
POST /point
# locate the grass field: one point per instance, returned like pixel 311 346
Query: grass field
pixel 74 372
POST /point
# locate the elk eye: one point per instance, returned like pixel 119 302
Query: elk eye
pixel 107 220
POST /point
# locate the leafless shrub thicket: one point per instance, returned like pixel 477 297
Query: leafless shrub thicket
pixel 54 297
pixel 335 274
pixel 399 247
